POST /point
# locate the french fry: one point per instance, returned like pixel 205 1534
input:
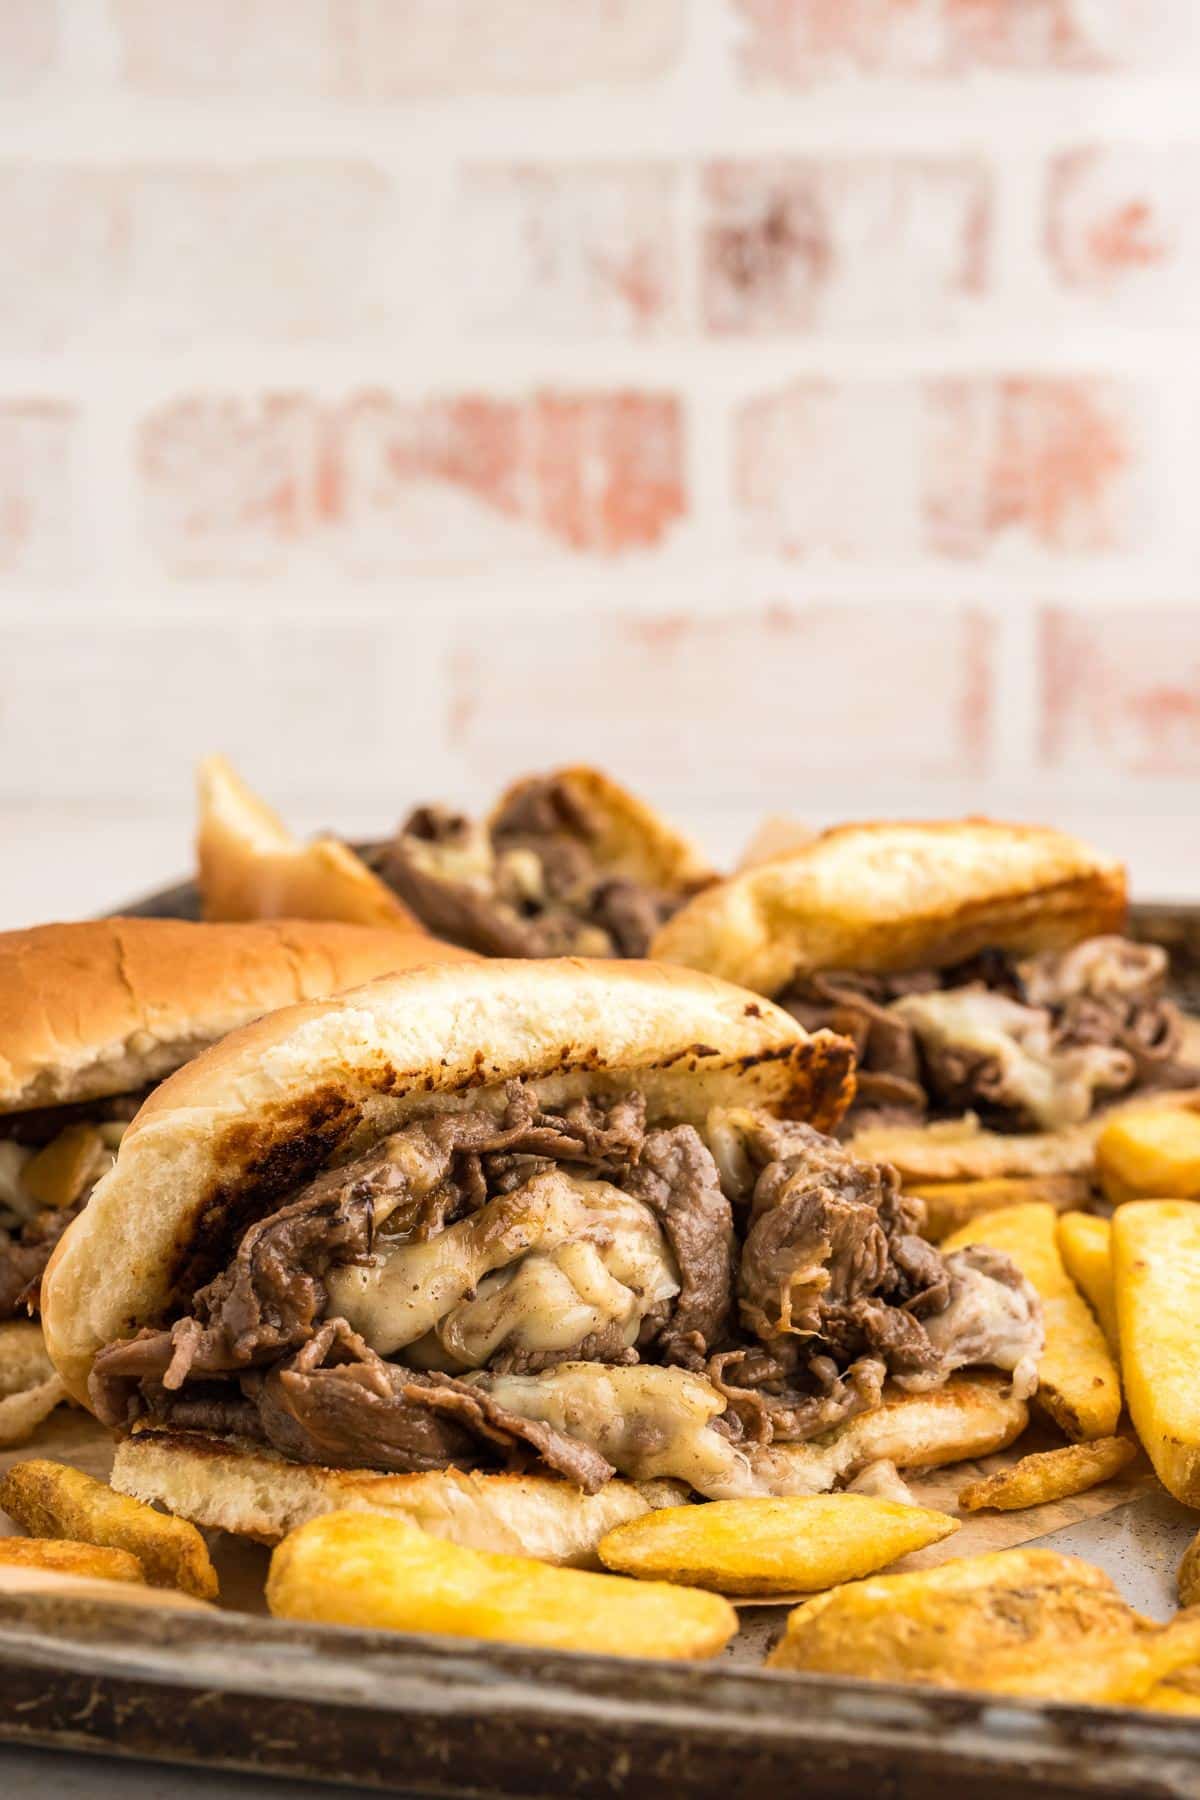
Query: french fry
pixel 1029 1622
pixel 29 1387
pixel 251 867
pixel 1049 1475
pixel 1085 1245
pixel 1150 1153
pixel 98 1561
pixel 24 1578
pixel 1189 1574
pixel 50 1499
pixel 1179 1693
pixel 748 1547
pixel 951 1204
pixel 352 1568
pixel 1078 1383
pixel 1156 1274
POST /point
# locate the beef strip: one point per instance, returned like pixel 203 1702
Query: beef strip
pixel 24 1253
pixel 529 885
pixel 676 1177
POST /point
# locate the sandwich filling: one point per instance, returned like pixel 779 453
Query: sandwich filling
pixel 50 1160
pixel 1027 1045
pixel 532 882
pixel 502 1284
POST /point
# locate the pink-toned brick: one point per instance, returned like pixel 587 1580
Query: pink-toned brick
pixel 1120 691
pixel 1123 218
pixel 563 249
pixel 741 693
pixel 236 485
pixel 952 467
pixel 64 277
pixel 793 244
pixel 801 41
pixel 28 43
pixel 39 496
pixel 393 47
pixel 272 251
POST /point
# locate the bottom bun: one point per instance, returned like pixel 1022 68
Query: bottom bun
pixel 225 1486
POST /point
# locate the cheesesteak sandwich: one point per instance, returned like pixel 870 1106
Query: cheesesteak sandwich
pixel 91 1016
pixel 566 863
pixel 996 1007
pixel 508 1246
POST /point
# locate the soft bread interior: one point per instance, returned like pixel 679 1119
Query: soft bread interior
pixel 248 1491
pixel 897 896
pixel 230 1135
pixel 635 840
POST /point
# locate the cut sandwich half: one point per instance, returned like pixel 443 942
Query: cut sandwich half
pixel 569 862
pixel 494 1242
pixel 998 1011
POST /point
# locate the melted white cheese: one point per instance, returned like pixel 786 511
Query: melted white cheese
pixel 1055 1087
pixel 537 1269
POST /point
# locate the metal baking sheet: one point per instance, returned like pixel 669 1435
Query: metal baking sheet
pixel 235 1690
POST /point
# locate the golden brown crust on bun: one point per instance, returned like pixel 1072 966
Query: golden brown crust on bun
pixel 250 866
pixel 262 1111
pixel 107 1005
pixel 635 841
pixel 890 897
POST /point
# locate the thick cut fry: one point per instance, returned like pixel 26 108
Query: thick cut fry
pixel 747 1547
pixel 1027 1622
pixel 1085 1245
pixel 1078 1383
pixel 1189 1574
pixel 97 1561
pixel 251 867
pixel 363 1569
pixel 1049 1475
pixel 951 1204
pixel 1179 1693
pixel 1150 1153
pixel 1156 1274
pixel 49 1499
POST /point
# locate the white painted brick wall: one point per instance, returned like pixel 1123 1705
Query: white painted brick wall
pixel 793 405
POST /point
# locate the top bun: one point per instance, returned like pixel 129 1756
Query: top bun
pixel 892 897
pixel 635 841
pixel 224 1140
pixel 106 1006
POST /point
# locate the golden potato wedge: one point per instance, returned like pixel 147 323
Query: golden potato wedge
pixel 1078 1383
pixel 99 1561
pixel 1189 1574
pixel 1179 1693
pixel 1049 1475
pixel 1150 1153
pixel 29 1387
pixel 251 867
pixel 748 1547
pixel 357 1568
pixel 66 1166
pixel 50 1499
pixel 950 1204
pixel 1156 1275
pixel 1029 1622
pixel 1085 1245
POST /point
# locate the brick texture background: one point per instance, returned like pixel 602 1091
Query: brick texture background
pixel 793 405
